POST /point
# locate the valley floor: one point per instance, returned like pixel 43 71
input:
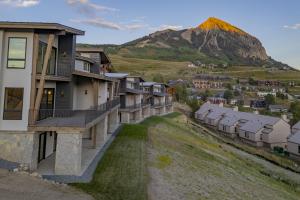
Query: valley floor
pixel 163 158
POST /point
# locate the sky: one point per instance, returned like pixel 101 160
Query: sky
pixel 276 23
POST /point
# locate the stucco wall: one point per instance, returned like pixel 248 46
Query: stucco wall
pixel 81 100
pixel 49 144
pixel 281 130
pixel 11 78
pixel 103 93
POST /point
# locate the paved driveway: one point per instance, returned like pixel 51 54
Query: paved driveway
pixel 17 186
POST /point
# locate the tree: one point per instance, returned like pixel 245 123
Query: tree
pixel 252 81
pixel 181 93
pixel 228 95
pixel 159 78
pixel 206 94
pixel 295 109
pixel 269 99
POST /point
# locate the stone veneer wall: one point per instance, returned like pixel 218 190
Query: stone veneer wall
pixel 19 147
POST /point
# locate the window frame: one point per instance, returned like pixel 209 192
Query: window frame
pixel 5 98
pixel 14 59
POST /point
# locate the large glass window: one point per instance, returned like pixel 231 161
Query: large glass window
pixel 13 104
pixel 41 57
pixel 16 57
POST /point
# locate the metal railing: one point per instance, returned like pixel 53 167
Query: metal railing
pixel 135 106
pixel 68 117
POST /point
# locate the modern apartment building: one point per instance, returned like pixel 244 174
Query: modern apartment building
pixel 130 97
pixel 161 101
pixel 57 109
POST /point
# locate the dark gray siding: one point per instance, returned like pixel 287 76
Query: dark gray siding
pixel 66 55
pixel 64 95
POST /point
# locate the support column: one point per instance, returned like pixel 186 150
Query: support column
pixel 125 117
pixel 68 154
pixel 101 132
pixel 113 121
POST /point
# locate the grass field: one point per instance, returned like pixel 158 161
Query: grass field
pixel 163 158
pixel 174 70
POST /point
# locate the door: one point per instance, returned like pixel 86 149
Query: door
pixel 47 103
pixel 42 146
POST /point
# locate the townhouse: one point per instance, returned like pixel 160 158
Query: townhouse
pixel 208 81
pixel 254 129
pixel 293 143
pixel 130 97
pixel 161 101
pixel 57 107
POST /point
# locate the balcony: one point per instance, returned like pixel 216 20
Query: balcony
pixel 62 74
pixel 71 118
pixel 131 87
pixel 131 108
pixel 159 93
pixel 158 105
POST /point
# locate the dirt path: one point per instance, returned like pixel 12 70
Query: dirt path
pixel 18 186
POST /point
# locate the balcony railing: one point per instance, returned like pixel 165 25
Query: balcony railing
pixel 131 107
pixel 71 118
pixel 158 104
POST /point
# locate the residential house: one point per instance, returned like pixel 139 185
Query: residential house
pixel 278 108
pixel 57 110
pixel 161 101
pixel 102 61
pixel 257 130
pixel 293 142
pixel 208 81
pixel 131 95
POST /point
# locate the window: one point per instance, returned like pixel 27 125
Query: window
pixel 13 104
pixel 52 61
pixel 16 57
pixel 246 134
pixel 86 66
pixel 299 149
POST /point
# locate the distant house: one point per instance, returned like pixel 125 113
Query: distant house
pixel 293 142
pixel 277 108
pixel 254 129
pixel 208 81
pixel 217 100
pixel 258 104
pixel 263 94
pixel 268 83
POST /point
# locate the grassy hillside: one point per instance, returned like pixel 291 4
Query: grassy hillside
pixel 174 69
pixel 163 158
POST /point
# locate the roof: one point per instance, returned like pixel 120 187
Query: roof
pixel 253 124
pixel 78 57
pixel 116 75
pixel 277 107
pixel 148 84
pixel 40 26
pixel 297 126
pixel 89 49
pixel 295 138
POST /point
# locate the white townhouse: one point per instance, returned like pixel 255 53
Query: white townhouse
pixel 56 110
pixel 293 143
pixel 257 130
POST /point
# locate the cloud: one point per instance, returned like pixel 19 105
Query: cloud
pixel 165 27
pixel 102 23
pixel 20 3
pixel 88 8
pixel 294 27
pixel 99 22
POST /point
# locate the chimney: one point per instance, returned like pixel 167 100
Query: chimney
pixel 285 118
pixel 235 108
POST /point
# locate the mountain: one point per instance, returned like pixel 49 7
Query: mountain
pixel 212 42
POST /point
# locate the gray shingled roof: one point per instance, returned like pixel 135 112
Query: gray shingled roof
pixel 295 138
pixel 147 84
pixel 253 124
pixel 297 126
